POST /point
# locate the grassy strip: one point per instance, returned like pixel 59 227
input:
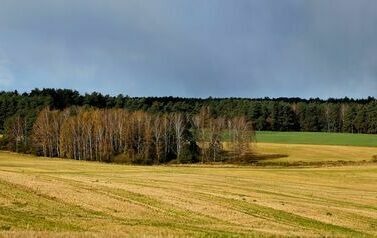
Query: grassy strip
pixel 186 221
pixel 289 218
pixel 30 210
pixel 317 138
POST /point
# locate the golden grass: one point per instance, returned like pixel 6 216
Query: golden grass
pixel 316 153
pixel 64 198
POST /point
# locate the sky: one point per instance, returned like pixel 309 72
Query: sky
pixel 191 48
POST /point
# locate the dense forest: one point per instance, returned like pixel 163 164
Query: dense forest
pixel 138 137
pixel 280 114
pixel 153 130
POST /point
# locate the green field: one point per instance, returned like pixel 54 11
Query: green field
pixel 56 197
pixel 317 138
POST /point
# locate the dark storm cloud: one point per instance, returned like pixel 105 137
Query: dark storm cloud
pixel 191 48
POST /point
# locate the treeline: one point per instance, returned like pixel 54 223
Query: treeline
pixel 280 114
pixel 119 135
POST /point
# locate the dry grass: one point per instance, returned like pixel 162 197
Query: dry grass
pixel 316 153
pixel 54 197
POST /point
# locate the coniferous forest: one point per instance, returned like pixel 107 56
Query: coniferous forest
pixel 153 130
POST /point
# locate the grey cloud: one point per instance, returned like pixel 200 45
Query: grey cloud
pixel 192 48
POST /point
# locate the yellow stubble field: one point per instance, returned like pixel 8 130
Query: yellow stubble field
pixel 63 198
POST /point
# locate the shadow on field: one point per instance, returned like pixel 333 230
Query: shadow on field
pixel 374 158
pixel 258 157
pixel 253 158
pixel 264 160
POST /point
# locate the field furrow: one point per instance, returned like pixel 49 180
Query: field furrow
pixel 82 199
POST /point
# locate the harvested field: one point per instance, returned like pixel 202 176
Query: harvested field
pixel 55 197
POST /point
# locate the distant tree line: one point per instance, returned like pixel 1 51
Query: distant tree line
pixel 280 114
pixel 139 137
